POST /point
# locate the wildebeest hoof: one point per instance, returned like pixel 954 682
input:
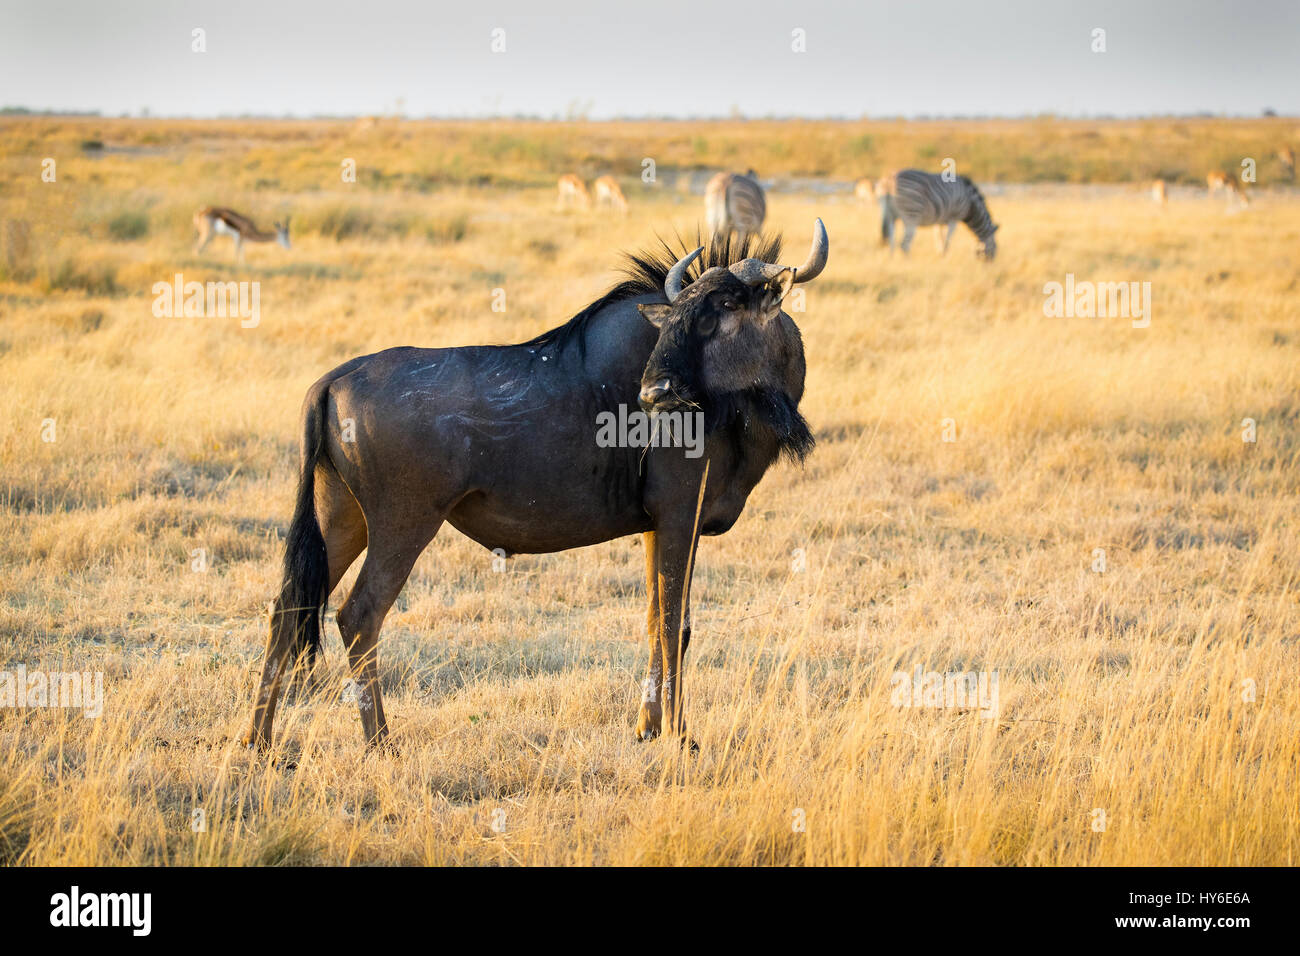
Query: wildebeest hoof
pixel 649 721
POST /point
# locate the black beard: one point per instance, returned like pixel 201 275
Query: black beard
pixel 769 408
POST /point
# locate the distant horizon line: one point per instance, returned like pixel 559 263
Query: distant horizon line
pixel 9 111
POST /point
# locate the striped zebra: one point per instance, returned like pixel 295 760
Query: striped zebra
pixel 734 203
pixel 927 199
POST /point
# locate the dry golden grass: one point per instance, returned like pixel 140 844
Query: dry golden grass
pixel 517 691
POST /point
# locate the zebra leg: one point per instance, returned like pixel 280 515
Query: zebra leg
pixel 945 237
pixel 909 230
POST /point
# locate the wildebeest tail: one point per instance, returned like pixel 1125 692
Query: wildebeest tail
pixel 306 565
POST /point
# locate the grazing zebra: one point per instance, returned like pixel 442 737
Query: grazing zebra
pixel 734 203
pixel 926 199
pixel 1286 156
pixel 1159 192
pixel 1220 180
pixel 573 192
pixel 609 193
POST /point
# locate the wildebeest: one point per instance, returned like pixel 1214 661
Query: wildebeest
pixel 609 194
pixel 217 221
pixel 500 442
pixel 734 203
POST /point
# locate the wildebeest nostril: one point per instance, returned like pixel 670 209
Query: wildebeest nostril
pixel 651 394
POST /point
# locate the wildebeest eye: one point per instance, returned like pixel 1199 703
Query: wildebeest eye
pixel 708 324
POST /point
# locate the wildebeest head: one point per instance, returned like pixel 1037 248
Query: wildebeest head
pixel 719 333
pixel 282 232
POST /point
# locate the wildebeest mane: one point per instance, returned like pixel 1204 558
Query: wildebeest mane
pixel 644 272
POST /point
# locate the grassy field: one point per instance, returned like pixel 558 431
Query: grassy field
pixel 1159 691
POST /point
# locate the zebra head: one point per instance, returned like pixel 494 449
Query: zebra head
pixel 990 248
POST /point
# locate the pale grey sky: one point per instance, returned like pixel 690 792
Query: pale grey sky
pixel 655 57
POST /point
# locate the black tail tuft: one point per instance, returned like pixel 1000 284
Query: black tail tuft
pixel 306 566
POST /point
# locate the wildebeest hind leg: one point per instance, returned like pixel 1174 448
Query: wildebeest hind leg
pixel 389 559
pixel 343 528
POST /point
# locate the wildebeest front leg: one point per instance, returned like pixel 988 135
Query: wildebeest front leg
pixel 650 719
pixel 674 553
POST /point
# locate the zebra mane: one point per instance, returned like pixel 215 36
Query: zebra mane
pixel 980 220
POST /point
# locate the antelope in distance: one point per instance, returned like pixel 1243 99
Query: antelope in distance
pixel 609 195
pixel 1286 156
pixel 865 189
pixel 734 203
pixel 216 221
pixel 1159 192
pixel 501 442
pixel 1221 180
pixel 928 199
pixel 573 192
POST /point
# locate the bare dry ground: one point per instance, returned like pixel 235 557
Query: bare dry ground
pixel 1160 691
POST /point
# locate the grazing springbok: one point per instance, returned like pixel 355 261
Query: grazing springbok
pixel 734 203
pixel 573 192
pixel 1159 193
pixel 928 199
pixel 1286 156
pixel 216 221
pixel 503 443
pixel 1222 180
pixel 609 194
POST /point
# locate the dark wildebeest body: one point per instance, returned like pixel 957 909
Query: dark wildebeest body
pixel 500 442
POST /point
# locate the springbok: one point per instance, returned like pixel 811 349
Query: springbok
pixel 573 192
pixel 865 189
pixel 1159 193
pixel 609 194
pixel 734 203
pixel 216 221
pixel 504 444
pixel 1286 156
pixel 1222 180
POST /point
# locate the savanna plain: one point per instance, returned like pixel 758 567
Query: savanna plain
pixel 1072 503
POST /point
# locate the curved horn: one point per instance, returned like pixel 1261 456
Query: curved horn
pixel 673 281
pixel 817 256
pixel 754 271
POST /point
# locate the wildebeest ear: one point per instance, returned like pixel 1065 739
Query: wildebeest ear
pixel 655 313
pixel 781 283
